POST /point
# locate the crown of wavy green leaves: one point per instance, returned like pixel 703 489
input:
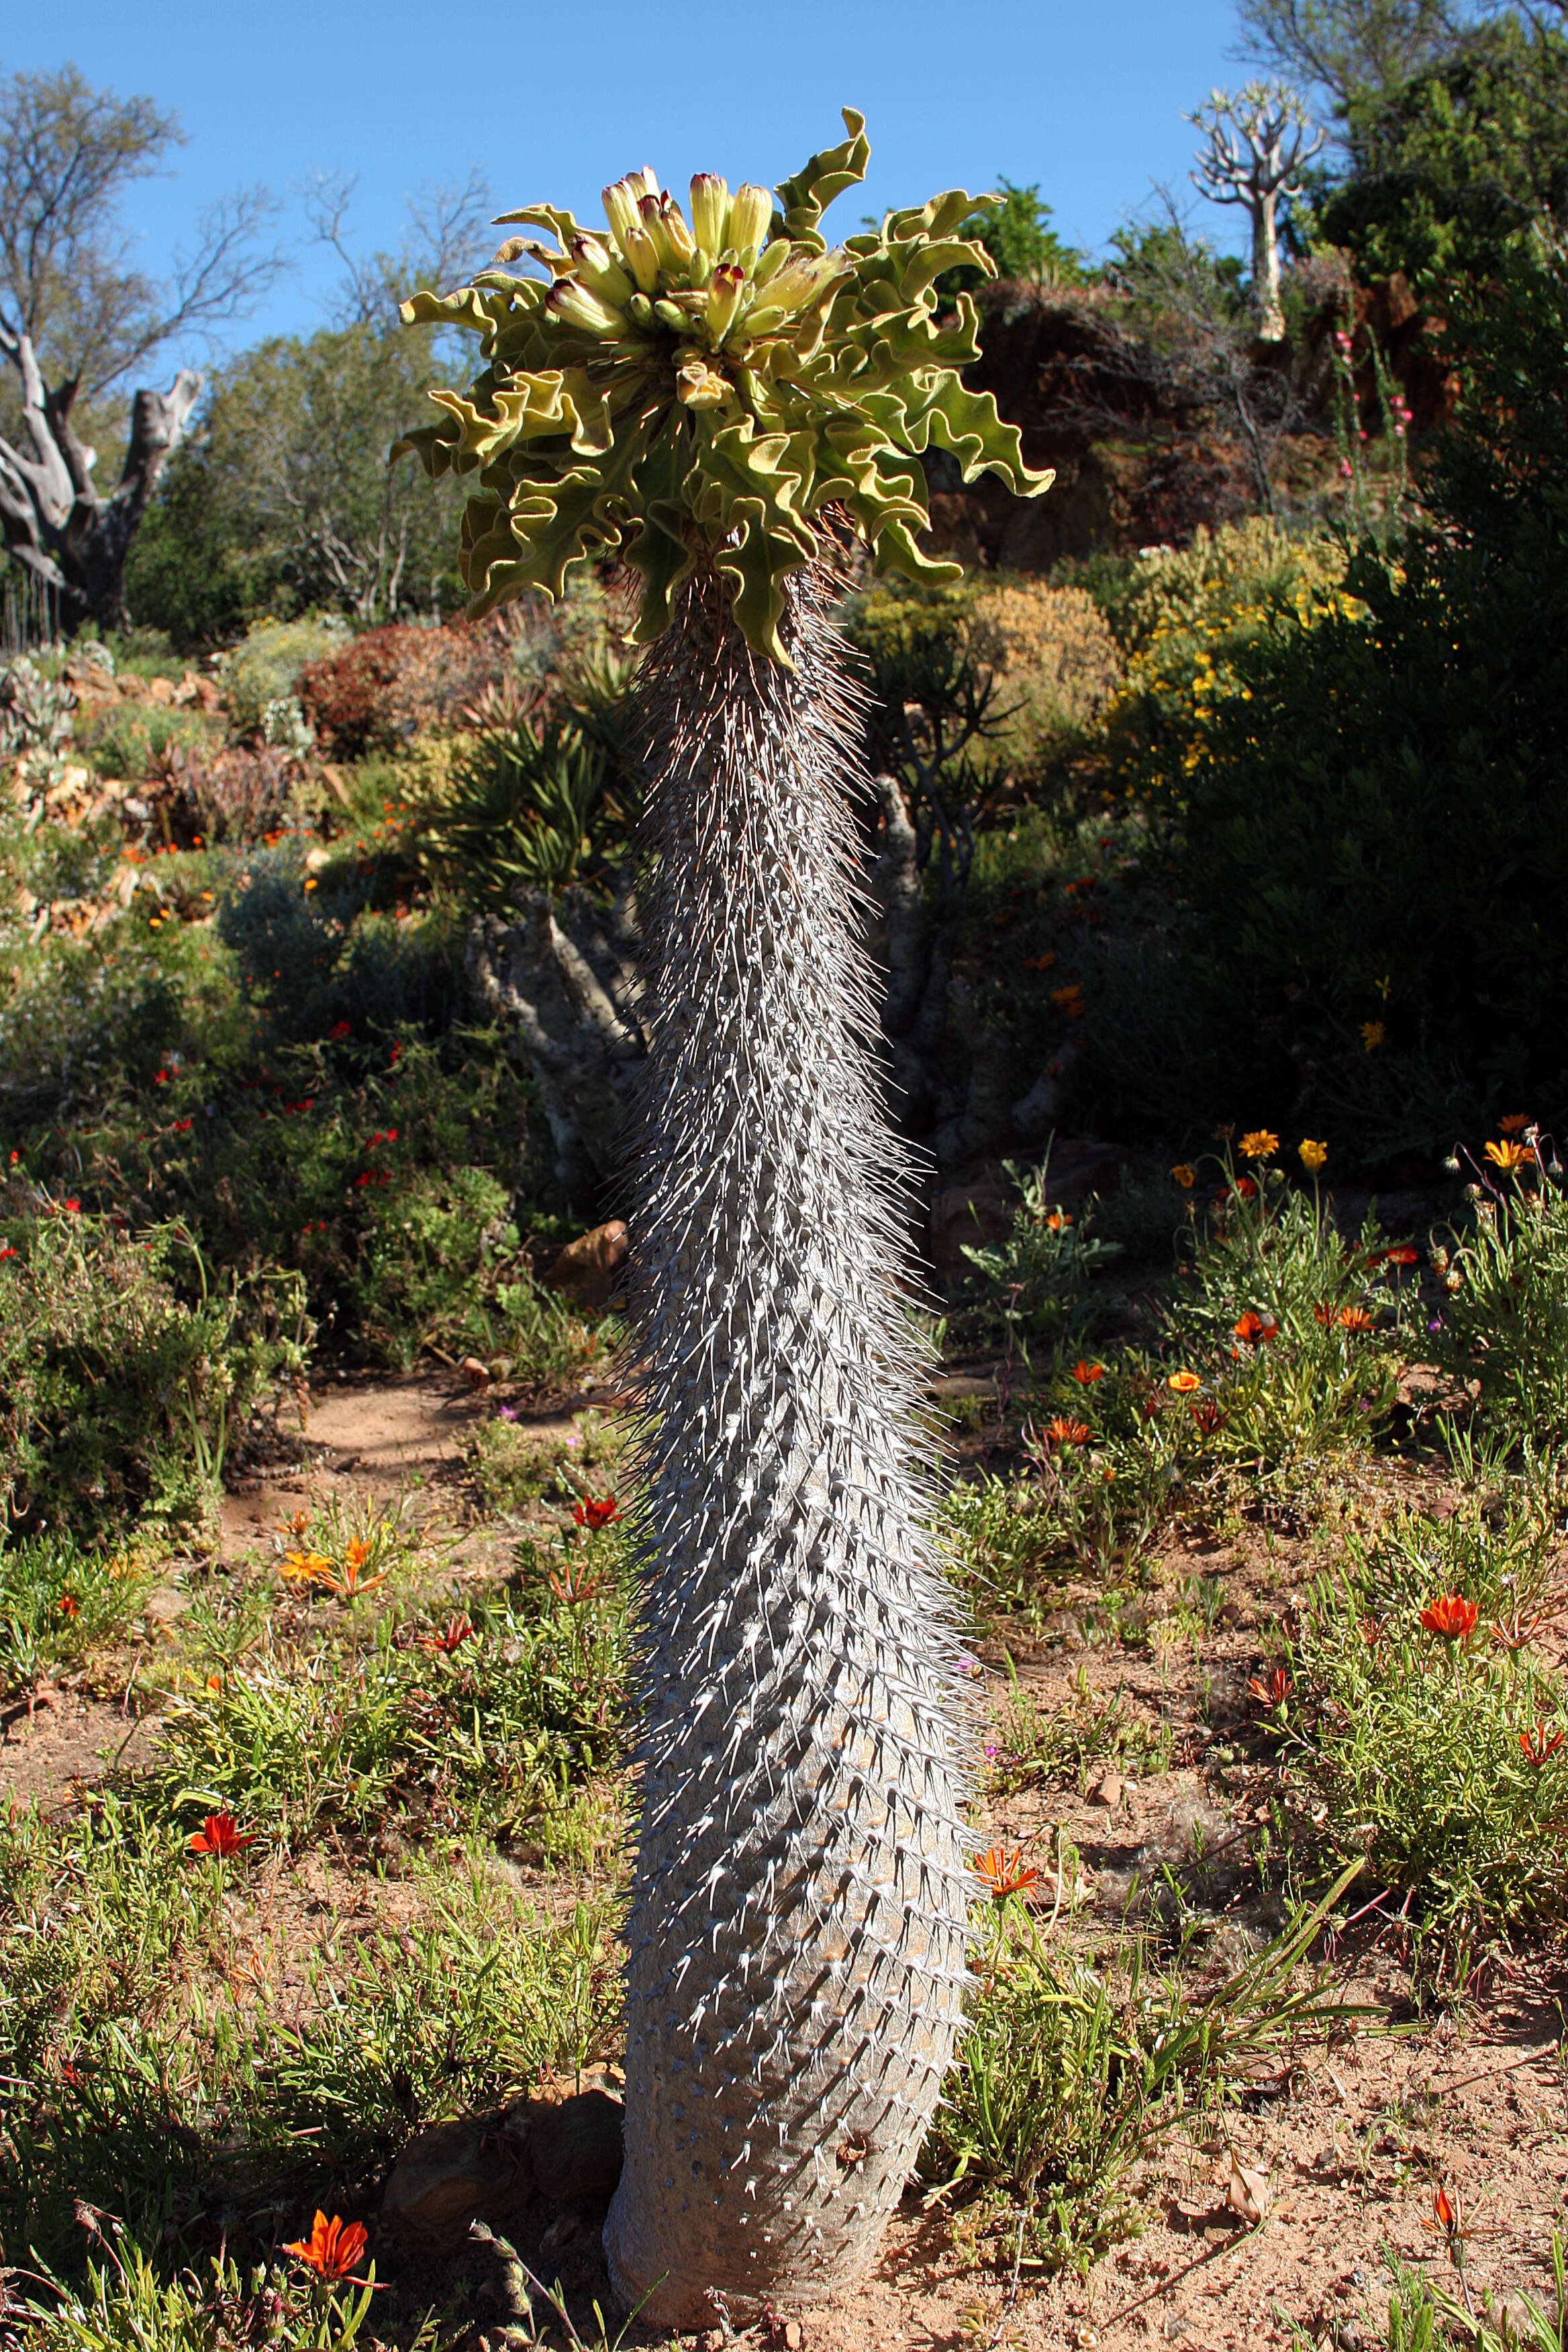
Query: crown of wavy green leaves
pixel 699 392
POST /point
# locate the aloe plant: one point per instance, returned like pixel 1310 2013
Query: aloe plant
pixel 723 401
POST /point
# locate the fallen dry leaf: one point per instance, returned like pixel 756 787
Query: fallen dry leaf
pixel 1250 2193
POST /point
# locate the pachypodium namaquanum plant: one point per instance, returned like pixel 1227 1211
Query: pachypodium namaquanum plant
pixel 724 401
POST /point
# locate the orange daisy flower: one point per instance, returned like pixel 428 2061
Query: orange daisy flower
pixel 332 2249
pixel 1084 1372
pixel 1065 1431
pixel 1001 1877
pixel 1451 1616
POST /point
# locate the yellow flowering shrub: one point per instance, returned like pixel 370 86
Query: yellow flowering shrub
pixel 1058 662
pixel 1183 617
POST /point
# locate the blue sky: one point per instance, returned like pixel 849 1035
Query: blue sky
pixel 1086 100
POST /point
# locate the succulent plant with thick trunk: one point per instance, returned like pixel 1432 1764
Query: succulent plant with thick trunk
pixel 722 400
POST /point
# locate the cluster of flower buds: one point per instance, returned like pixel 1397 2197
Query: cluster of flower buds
pixel 718 284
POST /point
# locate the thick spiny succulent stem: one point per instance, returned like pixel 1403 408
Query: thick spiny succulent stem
pixel 797 1935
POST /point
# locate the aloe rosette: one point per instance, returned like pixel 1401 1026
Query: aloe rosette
pixel 721 401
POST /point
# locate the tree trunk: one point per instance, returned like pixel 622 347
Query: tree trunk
pixel 797 1935
pixel 54 521
pixel 1270 311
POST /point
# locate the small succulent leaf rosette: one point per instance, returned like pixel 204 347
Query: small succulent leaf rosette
pixel 689 391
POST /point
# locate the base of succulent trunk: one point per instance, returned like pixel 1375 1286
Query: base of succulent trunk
pixel 797 1936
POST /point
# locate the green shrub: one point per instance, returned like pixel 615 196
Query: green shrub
pixel 1185 618
pixel 1374 829
pixel 58 1600
pixel 1440 1759
pixel 1505 1320
pixel 1039 1278
pixel 264 669
pixel 133 739
pixel 123 1374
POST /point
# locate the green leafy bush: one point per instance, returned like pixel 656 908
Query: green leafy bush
pixel 266 668
pixel 1505 1322
pixel 1440 1755
pixel 1373 832
pixel 133 739
pixel 123 1374
pixel 1184 618
pixel 58 1600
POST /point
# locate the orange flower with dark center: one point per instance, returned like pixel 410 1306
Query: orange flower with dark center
pixel 1084 1372
pixel 449 1637
pixel 1065 1431
pixel 1511 1157
pixel 1451 1616
pixel 1356 1318
pixel 1183 1383
pixel 221 1836
pixel 1001 1876
pixel 69 1605
pixel 595 1513
pixel 332 2249
pixel 1262 1143
pixel 1255 1328
pixel 1537 1746
pixel 1272 1693
pixel 1515 1123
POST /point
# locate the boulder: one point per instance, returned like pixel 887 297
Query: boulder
pixel 574 2144
pixel 474 2168
pixel 589 1267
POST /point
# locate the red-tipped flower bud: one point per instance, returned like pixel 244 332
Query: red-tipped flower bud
pixel 724 298
pixel 620 200
pixel 573 302
pixel 597 267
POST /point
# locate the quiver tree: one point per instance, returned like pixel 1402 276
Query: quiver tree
pixel 723 400
pixel 1256 145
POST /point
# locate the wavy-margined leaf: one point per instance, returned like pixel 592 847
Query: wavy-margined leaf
pixel 713 415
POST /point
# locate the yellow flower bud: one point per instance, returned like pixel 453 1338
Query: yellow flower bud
pixel 724 298
pixel 750 214
pixel 571 301
pixel 639 249
pixel 804 275
pixel 597 267
pixel 710 211
pixel 620 201
pixel 771 260
pixel 657 228
pixel 678 237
